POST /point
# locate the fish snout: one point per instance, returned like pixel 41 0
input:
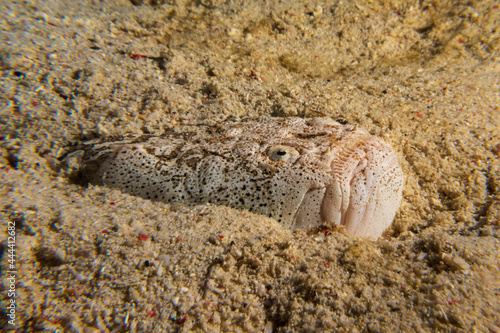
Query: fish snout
pixel 366 190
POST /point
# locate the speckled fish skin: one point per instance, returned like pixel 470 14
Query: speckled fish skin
pixel 301 172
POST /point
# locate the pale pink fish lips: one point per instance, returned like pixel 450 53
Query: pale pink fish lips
pixel 365 191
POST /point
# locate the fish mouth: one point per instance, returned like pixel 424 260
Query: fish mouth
pixel 330 205
pixel 366 192
pixel 363 195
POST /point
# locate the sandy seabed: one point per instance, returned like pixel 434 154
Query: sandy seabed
pixel 423 75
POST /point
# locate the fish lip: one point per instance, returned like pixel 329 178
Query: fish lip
pixel 379 179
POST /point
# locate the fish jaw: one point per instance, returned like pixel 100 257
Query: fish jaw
pixel 367 186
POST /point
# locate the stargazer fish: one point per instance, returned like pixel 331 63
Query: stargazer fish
pixel 301 172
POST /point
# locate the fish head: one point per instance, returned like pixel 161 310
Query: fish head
pixel 336 174
pixel 301 172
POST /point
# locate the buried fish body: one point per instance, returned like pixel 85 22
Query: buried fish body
pixel 301 172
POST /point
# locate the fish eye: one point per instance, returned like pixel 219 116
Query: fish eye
pixel 281 153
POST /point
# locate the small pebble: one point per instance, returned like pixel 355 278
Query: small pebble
pixel 164 259
pixel 455 262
